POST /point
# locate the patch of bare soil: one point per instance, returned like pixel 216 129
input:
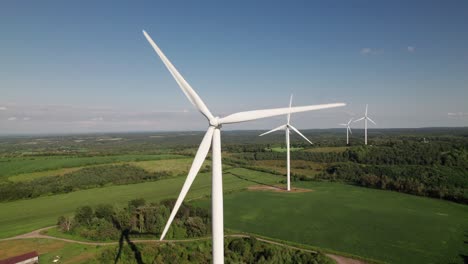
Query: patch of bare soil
pixel 271 188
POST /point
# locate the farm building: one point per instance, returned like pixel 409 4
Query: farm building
pixel 27 258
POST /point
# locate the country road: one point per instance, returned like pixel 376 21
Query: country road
pixel 37 234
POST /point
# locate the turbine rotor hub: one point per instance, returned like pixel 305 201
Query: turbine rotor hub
pixel 215 122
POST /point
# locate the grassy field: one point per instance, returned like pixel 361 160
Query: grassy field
pixel 22 165
pixel 22 216
pixel 300 167
pixel 175 166
pixel 48 249
pixel 36 175
pixel 327 149
pixel 382 225
pixel 280 149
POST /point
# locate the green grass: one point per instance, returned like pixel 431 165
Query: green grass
pixel 280 149
pixel 175 166
pixel 382 225
pixel 48 249
pixel 22 216
pixel 23 165
pixel 36 175
pixel 327 149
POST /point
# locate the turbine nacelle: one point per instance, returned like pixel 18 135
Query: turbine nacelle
pixel 215 122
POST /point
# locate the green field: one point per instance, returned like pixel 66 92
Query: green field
pixel 381 225
pixel 22 165
pixel 280 149
pixel 327 149
pixel 49 249
pixel 22 216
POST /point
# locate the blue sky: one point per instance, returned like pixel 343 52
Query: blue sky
pixel 84 66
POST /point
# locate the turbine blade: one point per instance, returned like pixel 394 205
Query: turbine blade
pixel 196 165
pixel 273 130
pixel 350 120
pixel 366 108
pixel 362 118
pixel 350 131
pixel 300 134
pixel 368 118
pixel 184 85
pixel 343 124
pixel 290 104
pixel 257 114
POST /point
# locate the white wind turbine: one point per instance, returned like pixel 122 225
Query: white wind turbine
pixel 348 130
pixel 286 127
pixel 365 117
pixel 213 138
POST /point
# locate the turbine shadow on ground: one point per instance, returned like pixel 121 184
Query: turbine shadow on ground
pixel 254 181
pixel 125 235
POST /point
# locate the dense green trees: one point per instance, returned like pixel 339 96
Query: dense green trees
pixel 138 219
pixel 437 169
pixel 237 250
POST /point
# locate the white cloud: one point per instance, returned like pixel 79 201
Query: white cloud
pixel 26 118
pixel 458 115
pixel 3 108
pixel 97 118
pixel 13 118
pixel 411 49
pixel 370 51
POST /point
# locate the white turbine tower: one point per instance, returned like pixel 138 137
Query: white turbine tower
pixel 213 138
pixel 365 117
pixel 286 127
pixel 348 130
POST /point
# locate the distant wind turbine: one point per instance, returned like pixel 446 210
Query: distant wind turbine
pixel 286 127
pixel 348 130
pixel 212 139
pixel 365 118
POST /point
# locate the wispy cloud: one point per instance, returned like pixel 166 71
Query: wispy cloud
pixel 369 51
pixel 13 118
pixel 411 49
pixel 97 118
pixel 26 118
pixel 458 115
pixel 3 108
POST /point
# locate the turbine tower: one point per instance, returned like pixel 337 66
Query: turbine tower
pixel 212 139
pixel 286 127
pixel 348 130
pixel 365 117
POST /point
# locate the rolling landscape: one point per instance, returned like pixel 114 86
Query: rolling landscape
pixel 243 132
pixel 332 212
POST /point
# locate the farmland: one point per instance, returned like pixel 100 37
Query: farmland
pixel 392 220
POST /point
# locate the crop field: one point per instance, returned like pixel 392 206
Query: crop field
pixel 48 249
pixel 178 166
pixel 22 216
pixel 21 165
pixel 281 149
pixel 372 202
pixel 299 167
pixel 327 149
pixel 381 225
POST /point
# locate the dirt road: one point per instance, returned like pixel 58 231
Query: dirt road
pixel 37 234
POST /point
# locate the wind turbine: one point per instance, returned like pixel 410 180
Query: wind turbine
pixel 365 117
pixel 348 130
pixel 213 138
pixel 286 127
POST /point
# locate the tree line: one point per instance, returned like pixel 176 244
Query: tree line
pixel 84 178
